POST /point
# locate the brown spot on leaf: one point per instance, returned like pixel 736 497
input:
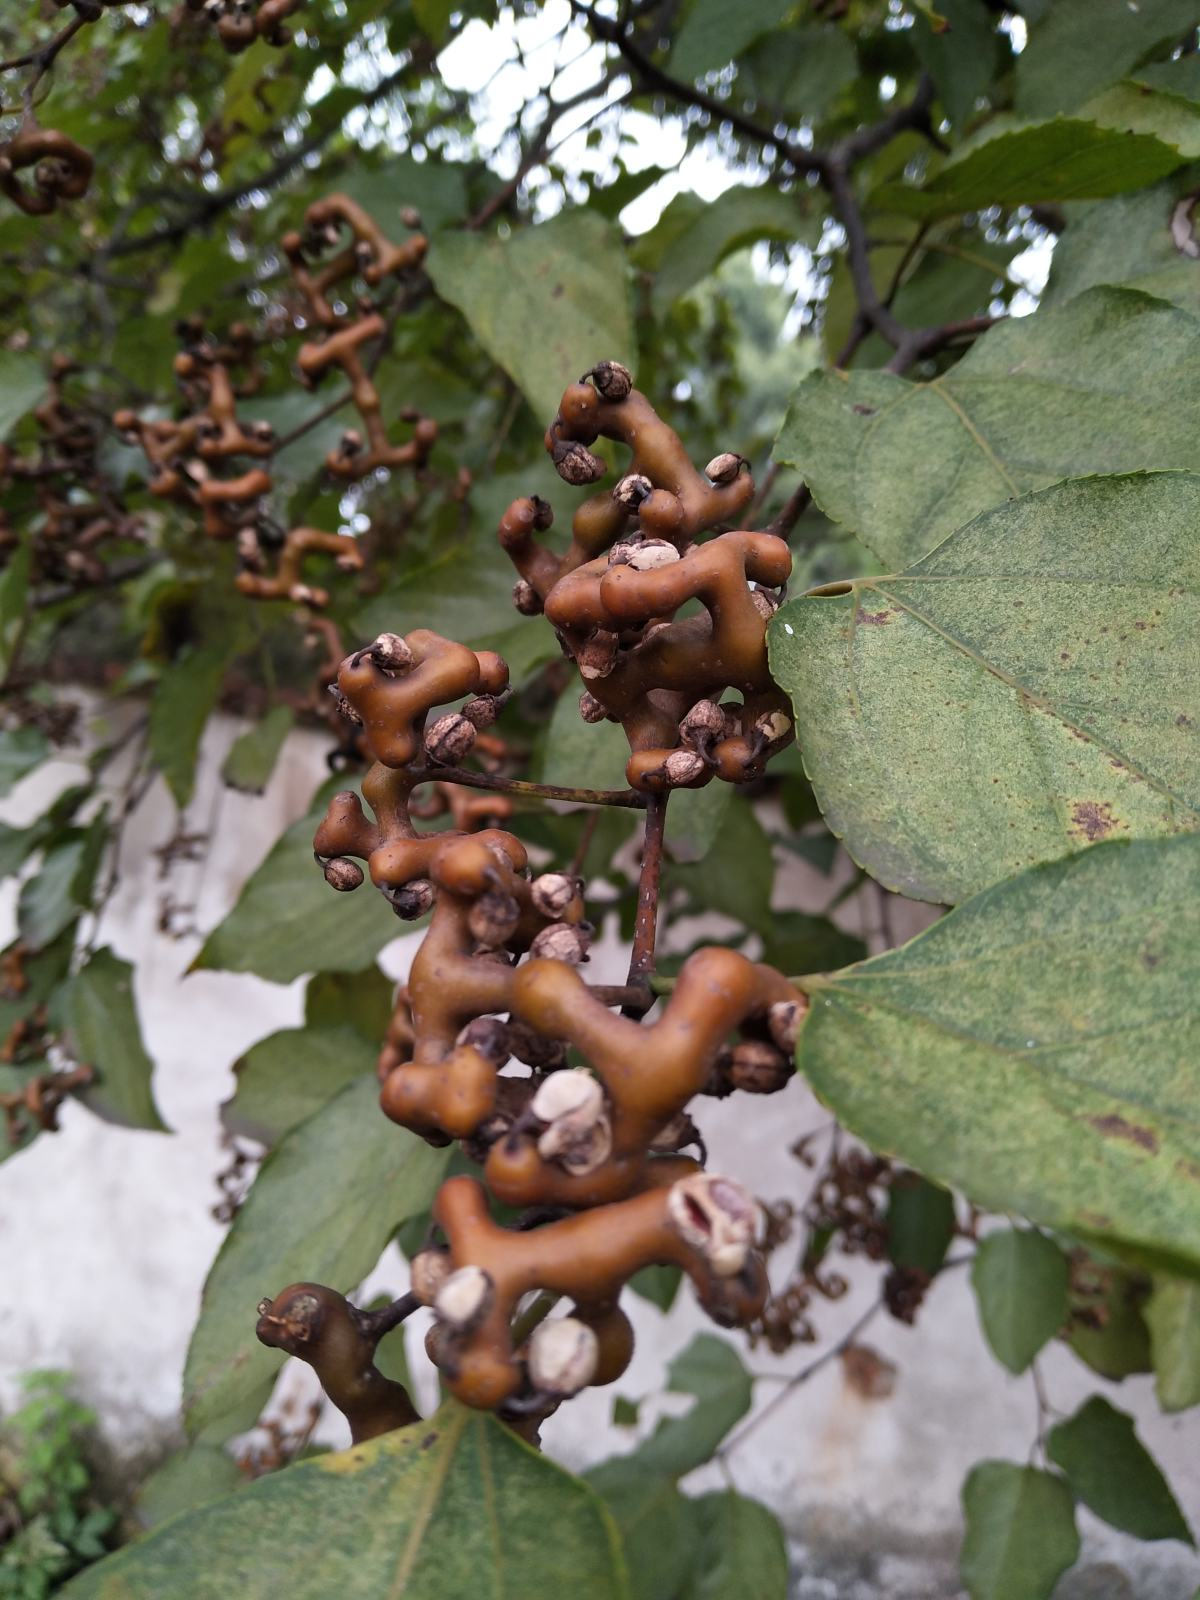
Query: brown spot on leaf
pixel 860 410
pixel 878 619
pixel 1115 1126
pixel 1187 1168
pixel 1092 820
pixel 429 1439
pixel 1095 1219
pixel 1182 721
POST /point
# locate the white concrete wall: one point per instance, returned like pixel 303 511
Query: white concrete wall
pixel 106 1236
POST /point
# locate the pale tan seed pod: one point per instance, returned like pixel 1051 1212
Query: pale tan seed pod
pixel 631 490
pixel 391 653
pixel 483 709
pixel 342 874
pixel 463 1298
pixel 576 465
pixel 725 467
pixel 562 941
pixel 345 709
pixel 573 1092
pixel 682 767
pixel 612 380
pixel 553 893
pixel 651 554
pixel 783 1020
pixel 623 552
pixel 563 1356
pixel 590 708
pixel 716 1217
pixel 427 1274
pixel 773 726
pixel 577 1133
pixel 450 739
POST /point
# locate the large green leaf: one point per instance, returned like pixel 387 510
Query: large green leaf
pixel 103 1022
pixel 1106 384
pixel 1080 46
pixel 184 698
pixel 1027 689
pixel 1114 1474
pixel 22 384
pixel 321 1210
pixel 449 1509
pixel 1173 1317
pixel 1014 163
pixel 1126 241
pixel 253 754
pixel 288 921
pixel 1020 1281
pixel 21 749
pixel 740 1550
pixel 736 218
pixel 1039 1048
pixel 14 587
pixel 545 304
pixel 284 1078
pixel 1021 1534
pixel 713 33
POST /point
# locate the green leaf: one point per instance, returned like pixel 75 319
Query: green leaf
pixel 961 57
pixel 437 189
pixel 323 1206
pixel 1014 164
pixel 1056 72
pixel 288 1076
pixel 794 942
pixel 800 70
pixel 1037 1049
pixel 1173 1317
pixel 545 304
pixel 659 1285
pixel 736 218
pixel 1104 384
pixel 184 697
pixel 1025 690
pixel 1139 109
pixel 22 384
pixel 657 1529
pixel 59 891
pixel 712 1370
pixel 359 1000
pixel 1114 1474
pixel 1021 1534
pixel 713 33
pixel 21 749
pixel 192 1477
pixel 920 1222
pixel 103 1022
pixel 741 1550
pixel 252 756
pixel 455 1502
pixel 288 921
pixel 1020 1281
pixel 737 873
pixel 14 586
pixel 1120 1345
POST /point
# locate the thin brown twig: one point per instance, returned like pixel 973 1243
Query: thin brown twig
pixel 641 963
pixel 630 799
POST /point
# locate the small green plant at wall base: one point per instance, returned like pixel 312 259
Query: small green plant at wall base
pixel 51 1523
pixel 797 592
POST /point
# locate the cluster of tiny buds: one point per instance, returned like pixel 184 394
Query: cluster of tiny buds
pixel 612 380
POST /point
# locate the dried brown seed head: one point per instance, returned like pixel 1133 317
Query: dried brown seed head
pixel 765 603
pixel 410 900
pixel 597 655
pixel 590 708
pixel 429 1271
pixel 783 1020
pixel 493 918
pixel 725 467
pixel 449 740
pixel 563 1356
pixel 345 709
pixel 576 465
pixel 483 709
pixel 716 1217
pixel 463 1298
pixel 526 599
pixel 758 1067
pixel 562 941
pixel 391 653
pixel 773 726
pixel 704 724
pixel 612 380
pixel 534 1048
pixel 342 874
pixel 489 1036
